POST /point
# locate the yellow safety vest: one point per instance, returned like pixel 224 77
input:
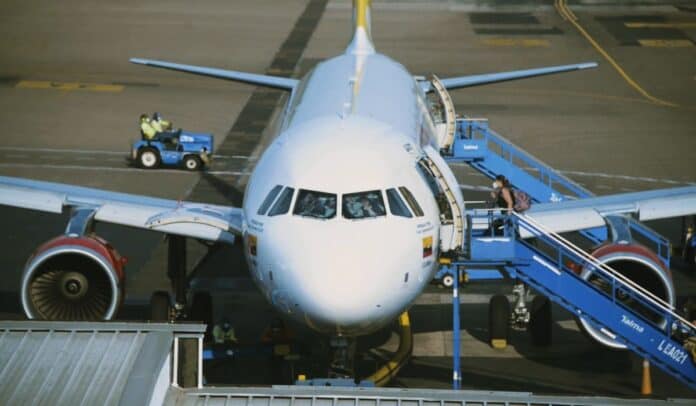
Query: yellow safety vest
pixel 147 130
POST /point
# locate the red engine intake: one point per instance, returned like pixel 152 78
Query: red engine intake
pixel 640 265
pixel 73 278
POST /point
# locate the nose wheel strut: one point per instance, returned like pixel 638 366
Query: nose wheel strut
pixel 342 354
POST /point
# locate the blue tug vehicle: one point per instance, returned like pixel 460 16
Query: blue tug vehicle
pixel 193 151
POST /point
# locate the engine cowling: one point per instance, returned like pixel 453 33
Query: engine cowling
pixel 73 278
pixel 640 265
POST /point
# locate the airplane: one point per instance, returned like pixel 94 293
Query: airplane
pixel 341 221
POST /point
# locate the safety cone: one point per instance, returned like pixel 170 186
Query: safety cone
pixel 646 385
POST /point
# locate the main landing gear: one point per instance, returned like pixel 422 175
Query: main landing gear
pixel 536 318
pixel 163 308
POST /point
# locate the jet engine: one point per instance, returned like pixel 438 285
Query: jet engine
pixel 73 278
pixel 640 265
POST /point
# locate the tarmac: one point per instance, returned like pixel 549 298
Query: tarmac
pixel 70 101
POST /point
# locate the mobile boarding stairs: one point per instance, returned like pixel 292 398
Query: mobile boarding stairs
pixel 550 264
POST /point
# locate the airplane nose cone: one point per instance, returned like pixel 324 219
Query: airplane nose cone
pixel 354 284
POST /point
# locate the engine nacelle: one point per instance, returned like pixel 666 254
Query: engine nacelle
pixel 73 278
pixel 640 265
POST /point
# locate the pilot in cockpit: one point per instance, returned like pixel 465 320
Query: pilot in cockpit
pixel 367 209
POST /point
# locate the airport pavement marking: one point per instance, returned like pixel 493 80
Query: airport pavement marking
pixel 100 152
pixel 568 15
pixel 68 86
pixel 666 43
pixel 119 169
pixel 514 42
pixel 682 25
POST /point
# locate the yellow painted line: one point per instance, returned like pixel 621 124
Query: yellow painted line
pixel 563 8
pixel 666 43
pixel 514 42
pixel 661 25
pixel 68 86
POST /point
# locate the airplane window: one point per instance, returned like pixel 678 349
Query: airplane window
pixel 363 205
pixel 269 199
pixel 282 205
pixel 396 204
pixel 311 203
pixel 411 201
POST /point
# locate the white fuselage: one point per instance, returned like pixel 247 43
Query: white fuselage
pixel 354 128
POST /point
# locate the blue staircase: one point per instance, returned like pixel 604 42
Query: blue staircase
pixel 491 154
pixel 643 322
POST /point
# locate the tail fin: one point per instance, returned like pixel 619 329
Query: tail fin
pixel 362 34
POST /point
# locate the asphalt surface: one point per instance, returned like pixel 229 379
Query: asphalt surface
pixel 69 104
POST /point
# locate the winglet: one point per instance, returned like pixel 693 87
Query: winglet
pixel 244 77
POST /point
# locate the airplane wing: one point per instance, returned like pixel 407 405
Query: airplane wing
pixel 573 215
pixel 476 80
pixel 202 221
pixel 244 77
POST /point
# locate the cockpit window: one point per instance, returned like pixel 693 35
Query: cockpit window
pixel 269 199
pixel 411 201
pixel 363 205
pixel 397 207
pixel 311 203
pixel 282 205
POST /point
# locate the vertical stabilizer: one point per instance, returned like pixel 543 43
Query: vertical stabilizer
pixel 362 36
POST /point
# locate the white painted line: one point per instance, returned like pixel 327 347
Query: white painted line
pixel 91 168
pixel 100 152
pixel 119 169
pixel 611 176
pixel 547 265
pixel 57 150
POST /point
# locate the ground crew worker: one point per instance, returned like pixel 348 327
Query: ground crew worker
pixel 223 333
pixel 146 129
pixel 280 337
pixel 160 124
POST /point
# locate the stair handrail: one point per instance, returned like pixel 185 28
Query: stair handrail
pixel 511 148
pixel 657 301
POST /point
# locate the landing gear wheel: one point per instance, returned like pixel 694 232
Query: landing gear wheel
pixel 540 321
pixel 498 321
pixel 148 158
pixel 160 305
pixel 192 163
pixel 202 310
pixel 448 281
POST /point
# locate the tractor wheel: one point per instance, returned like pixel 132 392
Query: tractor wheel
pixel 498 321
pixel 540 321
pixel 448 281
pixel 192 163
pixel 148 158
pixel 159 306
